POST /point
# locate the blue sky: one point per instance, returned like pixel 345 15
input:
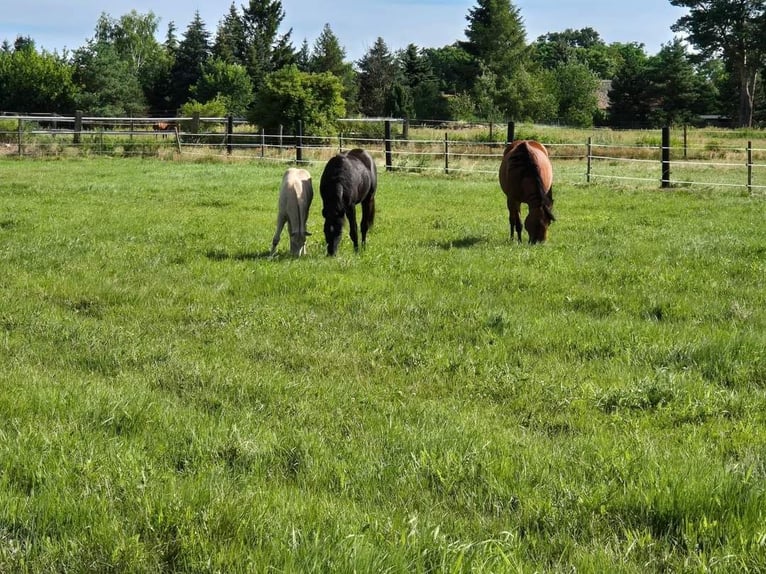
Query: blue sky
pixel 56 25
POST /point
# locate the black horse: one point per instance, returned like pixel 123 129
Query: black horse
pixel 348 178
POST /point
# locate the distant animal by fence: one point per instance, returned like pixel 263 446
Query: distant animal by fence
pixel 526 176
pixel 348 178
pixel 164 127
pixel 295 196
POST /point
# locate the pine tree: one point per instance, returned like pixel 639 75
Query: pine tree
pixel 303 57
pixel 377 75
pixel 496 36
pixel 267 50
pixel 328 55
pixel 193 51
pixel 230 44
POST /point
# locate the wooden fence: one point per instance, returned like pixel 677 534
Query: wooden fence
pixel 663 163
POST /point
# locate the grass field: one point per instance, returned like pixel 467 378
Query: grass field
pixel 171 399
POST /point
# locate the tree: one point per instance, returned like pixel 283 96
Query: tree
pixel 377 74
pixel 574 85
pixel 584 45
pixel 230 43
pixel 266 49
pixel 453 67
pixel 496 36
pixel 629 98
pixel 418 76
pixel 192 54
pixel 133 37
pixel 496 39
pixel 289 95
pixel 108 85
pixel 35 82
pixel 734 30
pixel 329 56
pixel 229 82
pixel 677 91
pixel 303 57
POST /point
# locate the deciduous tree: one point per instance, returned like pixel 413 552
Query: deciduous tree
pixel 735 30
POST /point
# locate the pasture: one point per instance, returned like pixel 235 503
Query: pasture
pixel 172 399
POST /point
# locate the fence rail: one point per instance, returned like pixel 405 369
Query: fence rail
pixel 731 166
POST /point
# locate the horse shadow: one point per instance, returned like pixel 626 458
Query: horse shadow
pixel 462 243
pixel 223 255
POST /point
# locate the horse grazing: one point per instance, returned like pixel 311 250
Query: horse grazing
pixel 348 178
pixel 295 197
pixel 526 176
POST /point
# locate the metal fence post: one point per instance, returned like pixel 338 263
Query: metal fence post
pixel 446 152
pixel 299 143
pixel 387 136
pixel 749 167
pixel 665 157
pixel 20 133
pixel 229 133
pixel 589 155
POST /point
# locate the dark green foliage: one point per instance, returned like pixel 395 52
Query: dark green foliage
pixel 290 95
pixel 190 57
pixel 266 50
pixel 377 75
pixel 734 30
pixel 108 84
pixel 32 82
pixel 630 102
pixel 227 81
pixel 329 56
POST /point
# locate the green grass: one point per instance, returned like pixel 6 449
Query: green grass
pixel 446 400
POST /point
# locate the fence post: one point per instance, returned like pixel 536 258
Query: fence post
pixel 263 142
pixel 20 132
pixel 589 154
pixel 511 134
pixel 665 157
pixel 749 167
pixel 195 123
pixel 77 127
pixel 299 143
pixel 229 133
pixel 446 152
pixel 340 142
pixel 685 142
pixel 387 137
pixel 406 129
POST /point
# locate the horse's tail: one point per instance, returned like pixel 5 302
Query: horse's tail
pixel 546 197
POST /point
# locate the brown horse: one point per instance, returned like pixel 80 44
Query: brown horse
pixel 526 176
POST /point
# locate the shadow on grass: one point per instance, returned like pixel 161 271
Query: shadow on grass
pixel 463 243
pixel 222 255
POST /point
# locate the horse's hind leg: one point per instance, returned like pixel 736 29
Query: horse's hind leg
pixel 353 232
pixel 274 242
pixel 368 213
pixel 514 218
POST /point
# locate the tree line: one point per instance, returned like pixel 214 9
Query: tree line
pixel 248 68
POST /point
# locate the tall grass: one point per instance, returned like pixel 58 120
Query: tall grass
pixel 446 400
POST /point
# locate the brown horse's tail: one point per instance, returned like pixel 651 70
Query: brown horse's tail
pixel 546 198
pixel 546 195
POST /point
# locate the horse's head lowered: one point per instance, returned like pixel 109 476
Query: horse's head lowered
pixel 539 218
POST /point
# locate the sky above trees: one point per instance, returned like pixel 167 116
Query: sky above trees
pixel 57 25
